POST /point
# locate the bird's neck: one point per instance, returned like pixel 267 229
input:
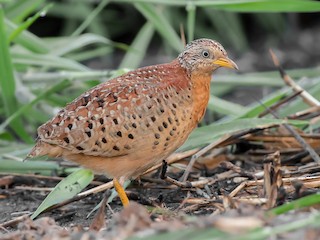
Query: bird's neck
pixel 200 93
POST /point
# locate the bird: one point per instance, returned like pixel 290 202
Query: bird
pixel 129 123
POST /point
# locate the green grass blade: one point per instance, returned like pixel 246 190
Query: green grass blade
pixel 45 60
pixel 269 6
pixel 27 39
pixel 17 11
pixel 7 83
pixel 28 23
pixel 29 167
pixel 65 45
pixel 90 17
pixel 138 48
pixel 296 204
pixel 161 24
pixel 25 108
pixel 222 106
pixel 191 20
pixel 67 188
pixel 243 5
pixel 207 134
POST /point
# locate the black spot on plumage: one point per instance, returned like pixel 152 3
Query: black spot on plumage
pixel 85 100
pixel 104 140
pixel 115 98
pixel 134 125
pixel 115 121
pixel 66 140
pixel 153 118
pixel 70 126
pixel 130 136
pixel 119 134
pixel 116 148
pixel 80 148
pixel 90 125
pixel 101 121
pixel 100 102
pixel 88 133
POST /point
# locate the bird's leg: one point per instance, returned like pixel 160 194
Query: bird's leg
pixel 168 179
pixel 163 169
pixel 122 194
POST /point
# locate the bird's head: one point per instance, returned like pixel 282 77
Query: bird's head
pixel 203 56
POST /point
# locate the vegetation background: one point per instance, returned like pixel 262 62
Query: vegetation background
pixel 51 51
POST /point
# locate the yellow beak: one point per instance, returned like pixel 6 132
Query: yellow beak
pixel 226 62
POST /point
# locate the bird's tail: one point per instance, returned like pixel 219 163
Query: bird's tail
pixel 40 149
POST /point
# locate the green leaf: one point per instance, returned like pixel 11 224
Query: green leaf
pixel 66 189
pixel 296 204
pixel 27 23
pixel 90 17
pixel 25 108
pixel 17 11
pixel 222 106
pixel 7 83
pixel 161 24
pixel 191 20
pixel 63 45
pixel 271 6
pixel 29 167
pixel 45 60
pixel 27 39
pixel 243 5
pixel 208 134
pixel 138 48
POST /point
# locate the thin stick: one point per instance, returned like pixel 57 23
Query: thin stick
pixel 14 221
pixel 306 146
pixel 280 103
pixel 307 98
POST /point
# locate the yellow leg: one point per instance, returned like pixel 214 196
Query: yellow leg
pixel 122 194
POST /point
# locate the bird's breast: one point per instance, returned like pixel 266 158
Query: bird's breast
pixel 200 95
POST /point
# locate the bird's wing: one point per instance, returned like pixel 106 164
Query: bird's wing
pixel 118 117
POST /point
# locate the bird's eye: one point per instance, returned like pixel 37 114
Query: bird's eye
pixel 205 54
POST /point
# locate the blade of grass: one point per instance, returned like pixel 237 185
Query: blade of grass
pixel 296 204
pixel 7 83
pixel 45 60
pixel 207 134
pixel 17 11
pixel 191 19
pixel 28 23
pixel 64 45
pixel 243 6
pixel 67 188
pixel 225 107
pixel 161 24
pixel 90 17
pixel 138 48
pixel 24 109
pixel 27 39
